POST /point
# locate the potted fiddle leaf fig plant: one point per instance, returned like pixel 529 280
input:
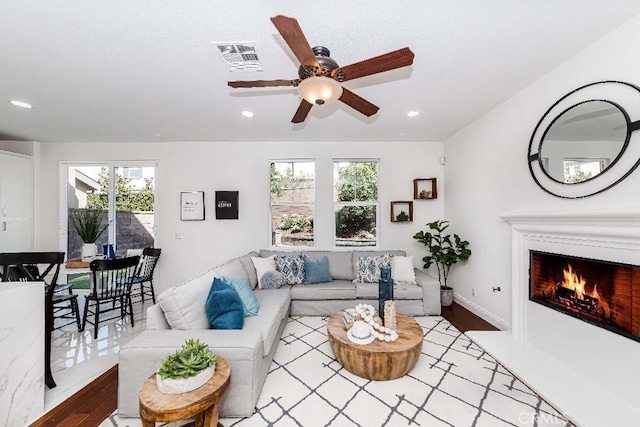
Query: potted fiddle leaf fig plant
pixel 88 224
pixel 445 250
pixel 187 369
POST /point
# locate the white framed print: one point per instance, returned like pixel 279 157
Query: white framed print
pixel 192 206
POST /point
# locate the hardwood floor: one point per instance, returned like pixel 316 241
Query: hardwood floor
pixel 88 406
pixel 94 403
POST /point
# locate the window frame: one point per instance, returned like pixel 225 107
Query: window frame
pixel 336 204
pixel 111 165
pixel 312 204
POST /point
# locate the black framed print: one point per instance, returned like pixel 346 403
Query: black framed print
pixel 192 206
pixel 226 205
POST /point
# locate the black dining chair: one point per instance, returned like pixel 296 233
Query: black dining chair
pixel 64 302
pixel 144 274
pixel 111 282
pixel 23 266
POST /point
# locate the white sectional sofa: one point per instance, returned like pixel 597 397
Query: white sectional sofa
pixel 180 315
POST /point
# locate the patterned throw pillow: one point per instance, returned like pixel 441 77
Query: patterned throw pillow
pixel 291 267
pixel 369 267
pixel 272 279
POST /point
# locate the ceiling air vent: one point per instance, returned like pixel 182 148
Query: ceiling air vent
pixel 239 56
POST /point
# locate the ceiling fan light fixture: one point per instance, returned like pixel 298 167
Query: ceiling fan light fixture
pixel 320 90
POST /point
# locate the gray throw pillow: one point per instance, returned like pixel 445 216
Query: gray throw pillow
pixel 272 279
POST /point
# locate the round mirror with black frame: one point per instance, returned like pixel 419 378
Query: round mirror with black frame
pixel 583 144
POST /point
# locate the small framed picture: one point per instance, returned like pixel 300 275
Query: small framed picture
pixel 226 205
pixel 192 206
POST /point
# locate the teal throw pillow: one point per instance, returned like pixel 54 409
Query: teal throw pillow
pixel 316 271
pixel 224 307
pixel 245 292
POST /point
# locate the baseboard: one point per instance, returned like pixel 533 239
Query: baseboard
pixel 482 313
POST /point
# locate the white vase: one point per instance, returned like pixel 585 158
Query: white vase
pixel 183 385
pixel 89 251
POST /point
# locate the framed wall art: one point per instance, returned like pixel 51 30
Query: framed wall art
pixel 192 206
pixel 226 205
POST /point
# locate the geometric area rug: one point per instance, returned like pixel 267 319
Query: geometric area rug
pixel 455 383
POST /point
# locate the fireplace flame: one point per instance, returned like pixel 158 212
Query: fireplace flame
pixel 574 282
pixel 578 285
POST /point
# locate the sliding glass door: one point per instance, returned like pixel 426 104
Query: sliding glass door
pixel 121 194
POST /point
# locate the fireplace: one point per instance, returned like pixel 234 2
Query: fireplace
pixel 590 373
pixel 602 293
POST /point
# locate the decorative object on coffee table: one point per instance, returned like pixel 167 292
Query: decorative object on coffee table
pixel 360 333
pixel 202 403
pixel 445 250
pixel 380 360
pixel 385 290
pixel 186 369
pixel 390 315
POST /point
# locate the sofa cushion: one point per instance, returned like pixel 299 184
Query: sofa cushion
pixel 401 291
pixel 402 269
pixel 274 306
pixel 291 267
pixel 369 267
pixel 233 269
pixel 245 292
pixel 338 289
pixel 249 268
pixel 339 263
pixel 262 265
pixel 183 305
pixel 224 307
pixel 316 271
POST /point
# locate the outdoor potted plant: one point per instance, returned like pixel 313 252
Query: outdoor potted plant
pixel 445 250
pixel 187 369
pixel 88 225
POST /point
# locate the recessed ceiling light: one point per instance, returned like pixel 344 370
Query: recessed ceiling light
pixel 247 113
pixel 20 104
pixel 413 113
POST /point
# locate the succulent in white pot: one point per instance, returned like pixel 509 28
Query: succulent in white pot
pixel 187 369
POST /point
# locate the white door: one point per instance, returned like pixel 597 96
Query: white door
pixel 16 202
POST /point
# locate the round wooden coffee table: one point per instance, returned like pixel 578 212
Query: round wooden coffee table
pixel 378 361
pixel 202 403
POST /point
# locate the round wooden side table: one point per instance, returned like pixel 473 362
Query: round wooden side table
pixel 202 403
pixel 378 361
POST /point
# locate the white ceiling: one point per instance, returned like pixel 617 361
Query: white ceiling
pixel 146 70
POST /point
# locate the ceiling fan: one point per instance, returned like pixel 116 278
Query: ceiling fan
pixel 320 77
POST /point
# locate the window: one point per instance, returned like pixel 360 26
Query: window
pixel 125 199
pixel 355 197
pixel 293 188
pixel 579 170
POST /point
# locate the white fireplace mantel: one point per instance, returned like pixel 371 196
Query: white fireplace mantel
pixel 588 373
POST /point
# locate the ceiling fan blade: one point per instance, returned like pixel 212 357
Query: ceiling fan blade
pixel 261 83
pixel 388 61
pixel 293 35
pixel 358 103
pixel 302 112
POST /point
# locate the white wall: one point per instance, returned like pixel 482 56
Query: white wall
pixel 487 172
pixel 243 166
